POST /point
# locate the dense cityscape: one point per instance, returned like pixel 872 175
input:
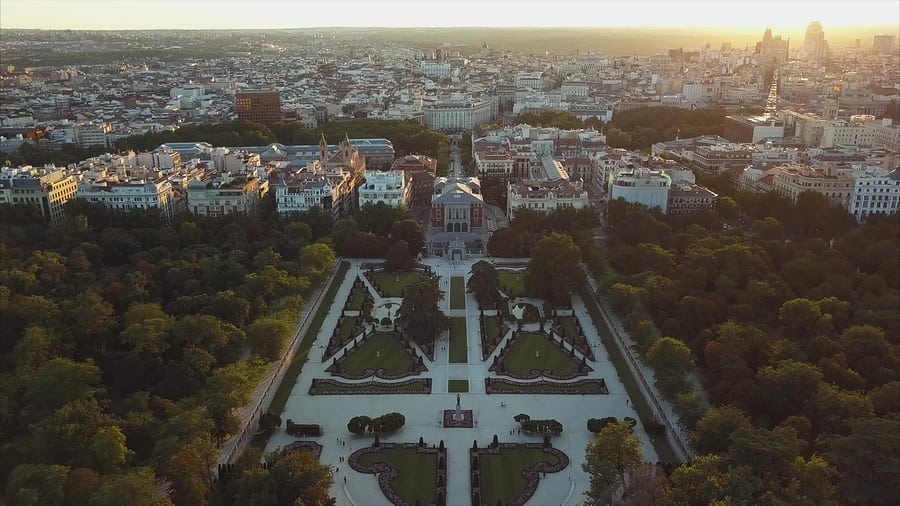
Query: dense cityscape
pixel 364 267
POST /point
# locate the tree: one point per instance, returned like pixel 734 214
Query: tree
pixel 419 316
pixel 713 431
pixel 508 243
pixel 410 231
pixel 32 485
pixel 795 382
pixel 91 320
pixel 669 357
pixel 484 283
pixel 134 487
pixel 554 271
pixel 379 218
pixel 866 460
pixel 61 381
pixel 398 257
pixel 298 476
pixel 267 337
pixel 316 258
pixel 609 456
pixel 268 421
pixel 358 424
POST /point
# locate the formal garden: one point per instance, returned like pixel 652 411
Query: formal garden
pixel 457 293
pixel 531 355
pixel 509 473
pixel 393 284
pixel 459 351
pixel 408 474
pixel 381 354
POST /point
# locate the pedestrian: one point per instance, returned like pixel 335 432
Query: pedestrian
pixel 345 480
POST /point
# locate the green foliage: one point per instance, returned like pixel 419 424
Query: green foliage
pixel 484 284
pixel 419 317
pixel 641 127
pixel 614 451
pixel 548 118
pixel 553 272
pixel 235 133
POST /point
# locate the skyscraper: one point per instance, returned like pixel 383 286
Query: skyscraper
pixel 814 45
pixel 771 50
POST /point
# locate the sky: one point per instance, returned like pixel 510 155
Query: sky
pixel 255 14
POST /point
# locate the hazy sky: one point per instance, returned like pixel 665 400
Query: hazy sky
pixel 205 14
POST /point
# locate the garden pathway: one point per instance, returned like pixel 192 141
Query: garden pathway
pixel 423 412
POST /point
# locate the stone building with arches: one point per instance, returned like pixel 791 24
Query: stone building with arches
pixel 457 205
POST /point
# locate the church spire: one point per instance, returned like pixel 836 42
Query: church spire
pixel 323 149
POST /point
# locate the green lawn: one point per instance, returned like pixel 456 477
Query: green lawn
pixel 457 293
pixel 660 442
pixel 290 378
pixel 417 472
pixel 418 386
pixel 393 358
pixel 346 332
pixel 458 386
pixel 491 328
pixel 512 283
pixel 501 475
pixel 459 350
pixel 521 357
pixel 393 284
pixel 568 326
pixel 357 297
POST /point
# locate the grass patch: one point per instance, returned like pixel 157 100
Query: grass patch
pixel 393 284
pixel 357 297
pixel 501 475
pixel 459 349
pixel 491 328
pixel 521 359
pixel 346 331
pixel 457 293
pixel 512 283
pixel 568 327
pixel 393 358
pixel 660 442
pixel 416 472
pixel 279 400
pixel 458 386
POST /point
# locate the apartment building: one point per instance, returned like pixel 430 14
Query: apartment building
pixel 48 189
pixel 641 186
pixel 875 191
pixel 420 170
pixel 832 182
pixel 847 133
pixel 685 199
pixel 390 187
pixel 458 116
pixel 258 106
pixel 130 194
pixel 220 194
pixel 544 196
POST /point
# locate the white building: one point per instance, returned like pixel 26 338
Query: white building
pixel 545 196
pixel 874 191
pixel 458 116
pixel 574 89
pixel 845 133
pixel 388 187
pixel 833 183
pixel 165 159
pixel 533 80
pixel 130 194
pixel 90 135
pixel 436 69
pixel 641 186
pixel 887 135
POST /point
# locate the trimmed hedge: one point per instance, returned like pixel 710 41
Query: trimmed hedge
pixel 303 429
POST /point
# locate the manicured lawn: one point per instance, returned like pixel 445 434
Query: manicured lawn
pixel 660 442
pixel 501 475
pixel 458 386
pixel 287 383
pixel 521 357
pixel 512 283
pixel 393 284
pixel 568 326
pixel 491 328
pixel 417 472
pixel 357 297
pixel 457 293
pixel 346 332
pixel 393 358
pixel 459 350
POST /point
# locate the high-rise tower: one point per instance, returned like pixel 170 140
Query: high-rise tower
pixel 814 44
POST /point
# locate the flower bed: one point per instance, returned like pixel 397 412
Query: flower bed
pixel 337 366
pixel 498 366
pixel 532 474
pixel 582 387
pixel 467 422
pixel 577 340
pixel 386 473
pixel 412 386
pixel 308 446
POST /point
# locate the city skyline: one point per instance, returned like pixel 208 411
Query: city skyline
pixel 206 14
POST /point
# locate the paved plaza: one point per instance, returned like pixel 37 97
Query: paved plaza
pixel 493 413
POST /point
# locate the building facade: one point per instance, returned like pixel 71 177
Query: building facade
pixel 545 196
pixel 875 192
pixel 458 116
pixel 46 189
pixel 834 184
pixel 457 205
pixel 690 199
pixel 130 194
pixel 258 106
pixel 217 195
pixel 420 170
pixel 390 187
pixel 641 186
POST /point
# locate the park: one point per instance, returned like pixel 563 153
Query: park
pixel 467 433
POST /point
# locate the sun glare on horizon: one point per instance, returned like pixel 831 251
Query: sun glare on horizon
pixel 243 14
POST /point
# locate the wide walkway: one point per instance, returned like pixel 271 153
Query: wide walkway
pixel 423 412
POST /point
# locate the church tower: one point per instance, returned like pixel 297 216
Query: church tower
pixel 346 150
pixel 323 150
